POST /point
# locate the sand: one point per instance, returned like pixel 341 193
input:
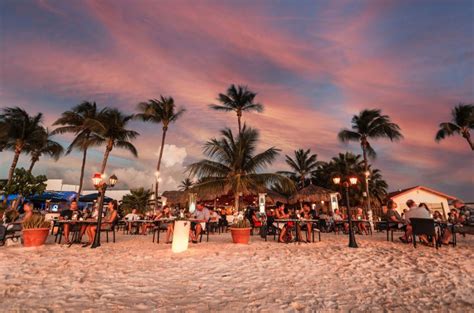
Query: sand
pixel 136 275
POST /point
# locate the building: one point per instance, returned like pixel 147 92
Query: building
pixel 435 200
pixel 57 185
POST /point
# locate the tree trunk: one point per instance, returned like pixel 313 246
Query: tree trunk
pixel 366 180
pixel 18 148
pixel 158 166
pixel 106 155
pixel 239 115
pixel 81 180
pixel 237 201
pixel 467 136
pixel 33 162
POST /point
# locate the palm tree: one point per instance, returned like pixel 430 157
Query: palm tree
pixel 233 166
pixel 111 125
pixel 461 123
pixel 186 184
pixel 22 130
pixel 377 187
pixel 76 121
pixel 238 99
pixel 302 165
pixel 137 199
pixel 370 124
pixel 3 134
pixel 43 146
pixel 159 111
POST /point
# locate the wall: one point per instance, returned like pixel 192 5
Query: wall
pixel 420 196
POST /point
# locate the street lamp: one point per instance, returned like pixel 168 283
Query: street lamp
pixel 101 185
pixel 349 181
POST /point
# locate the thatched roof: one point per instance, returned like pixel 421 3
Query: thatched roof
pixel 175 197
pixel 273 197
pixel 312 193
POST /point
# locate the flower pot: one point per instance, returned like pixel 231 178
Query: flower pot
pixel 240 235
pixel 35 237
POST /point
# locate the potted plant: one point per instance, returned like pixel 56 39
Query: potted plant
pixel 35 231
pixel 240 231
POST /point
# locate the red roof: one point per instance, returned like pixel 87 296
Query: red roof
pixel 404 191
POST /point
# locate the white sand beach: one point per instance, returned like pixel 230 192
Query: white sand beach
pixel 136 275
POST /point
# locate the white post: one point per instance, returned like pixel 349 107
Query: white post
pixel 180 236
pixel 261 202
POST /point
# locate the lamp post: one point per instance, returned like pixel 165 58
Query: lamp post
pixel 369 205
pixel 99 183
pixel 349 181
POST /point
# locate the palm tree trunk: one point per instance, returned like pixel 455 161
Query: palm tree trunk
pixel 467 136
pixel 106 156
pixel 33 162
pixel 18 148
pixel 236 200
pixel 158 166
pixel 81 180
pixel 239 115
pixel 366 182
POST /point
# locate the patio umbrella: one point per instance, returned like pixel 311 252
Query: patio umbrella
pixel 311 193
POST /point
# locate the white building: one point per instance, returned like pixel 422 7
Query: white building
pixel 435 200
pixel 57 185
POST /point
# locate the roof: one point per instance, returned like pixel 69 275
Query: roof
pixel 407 190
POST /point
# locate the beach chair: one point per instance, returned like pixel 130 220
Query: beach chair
pixel 423 226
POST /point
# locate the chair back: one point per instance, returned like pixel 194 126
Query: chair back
pixel 423 226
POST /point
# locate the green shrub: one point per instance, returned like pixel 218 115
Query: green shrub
pixel 241 223
pixel 36 221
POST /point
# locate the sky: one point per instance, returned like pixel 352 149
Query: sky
pixel 313 64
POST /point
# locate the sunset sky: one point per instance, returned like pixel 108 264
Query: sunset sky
pixel 314 64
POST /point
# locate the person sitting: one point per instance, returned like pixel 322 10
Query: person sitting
pixel 415 212
pixel 359 218
pixel 462 218
pixel 72 213
pixel 307 213
pixel 107 223
pixel 394 217
pixel 13 220
pixel 281 214
pixel 129 218
pixel 201 216
pixel 256 222
pixel 167 217
pixel 437 216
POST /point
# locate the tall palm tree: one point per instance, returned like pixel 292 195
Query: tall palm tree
pixel 238 99
pixel 22 130
pixel 461 123
pixel 111 125
pixel 302 165
pixel 76 121
pixel 186 184
pixel 43 146
pixel 137 199
pixel 370 124
pixel 159 111
pixel 233 166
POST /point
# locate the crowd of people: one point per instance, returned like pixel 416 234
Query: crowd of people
pixel 461 217
pixel 301 219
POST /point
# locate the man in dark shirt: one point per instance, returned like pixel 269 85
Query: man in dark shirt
pixel 69 214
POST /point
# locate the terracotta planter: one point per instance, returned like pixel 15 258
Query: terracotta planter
pixel 35 237
pixel 240 235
